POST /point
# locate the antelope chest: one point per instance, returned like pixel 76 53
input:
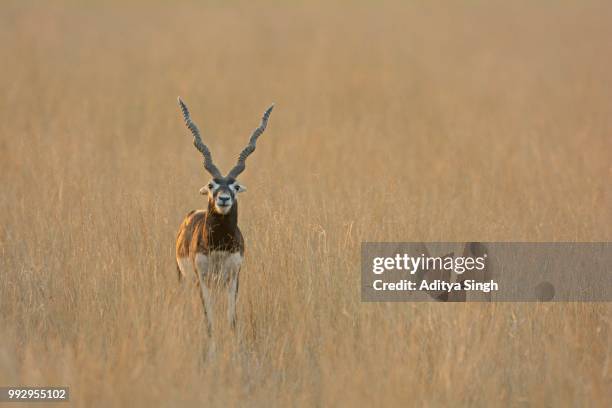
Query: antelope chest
pixel 218 265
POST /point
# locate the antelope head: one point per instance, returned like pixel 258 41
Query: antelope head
pixel 222 190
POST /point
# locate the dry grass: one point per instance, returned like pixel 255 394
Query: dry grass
pixel 404 122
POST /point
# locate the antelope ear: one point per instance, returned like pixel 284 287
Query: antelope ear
pixel 240 188
pixel 204 190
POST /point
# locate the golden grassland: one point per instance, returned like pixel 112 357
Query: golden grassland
pixel 420 121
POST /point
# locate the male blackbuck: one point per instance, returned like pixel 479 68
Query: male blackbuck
pixel 209 243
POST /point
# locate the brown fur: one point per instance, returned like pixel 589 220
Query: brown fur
pixel 203 231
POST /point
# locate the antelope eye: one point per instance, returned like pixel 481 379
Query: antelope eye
pixel 211 185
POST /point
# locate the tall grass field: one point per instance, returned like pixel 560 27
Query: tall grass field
pixel 394 121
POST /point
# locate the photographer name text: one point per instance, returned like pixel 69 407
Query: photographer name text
pixel 413 264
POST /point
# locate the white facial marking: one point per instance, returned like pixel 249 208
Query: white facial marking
pixel 238 188
pixel 223 203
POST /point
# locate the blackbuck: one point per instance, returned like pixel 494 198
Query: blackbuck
pixel 209 243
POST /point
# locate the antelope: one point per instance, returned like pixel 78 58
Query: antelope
pixel 209 243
